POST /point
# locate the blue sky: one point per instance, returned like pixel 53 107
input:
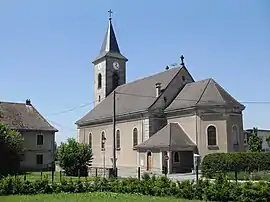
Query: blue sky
pixel 46 49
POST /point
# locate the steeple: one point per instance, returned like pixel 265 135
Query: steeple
pixel 110 42
pixel 110 45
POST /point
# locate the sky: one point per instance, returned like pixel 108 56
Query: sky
pixel 47 49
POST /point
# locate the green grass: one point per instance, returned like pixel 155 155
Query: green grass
pixel 262 175
pixel 86 197
pixel 33 176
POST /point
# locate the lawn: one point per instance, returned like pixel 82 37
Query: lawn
pixel 33 176
pixel 86 197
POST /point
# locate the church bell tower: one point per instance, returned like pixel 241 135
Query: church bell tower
pixel 109 66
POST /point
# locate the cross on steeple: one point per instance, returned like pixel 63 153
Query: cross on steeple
pixel 182 60
pixel 110 14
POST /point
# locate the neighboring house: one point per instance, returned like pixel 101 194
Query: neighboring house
pixel 164 115
pixel 262 134
pixel 38 134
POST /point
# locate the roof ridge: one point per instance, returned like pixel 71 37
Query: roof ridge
pixel 203 91
pixel 147 77
pixel 10 102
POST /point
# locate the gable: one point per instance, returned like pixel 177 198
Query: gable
pixel 173 88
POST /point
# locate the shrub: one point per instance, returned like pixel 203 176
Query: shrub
pixel 220 190
pixel 234 162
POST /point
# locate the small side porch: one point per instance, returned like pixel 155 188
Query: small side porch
pixel 170 151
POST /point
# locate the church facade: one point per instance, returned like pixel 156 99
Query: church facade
pixel 161 120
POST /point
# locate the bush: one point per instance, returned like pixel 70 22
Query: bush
pixel 234 162
pixel 220 190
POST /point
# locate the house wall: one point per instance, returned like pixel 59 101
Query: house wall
pixel 235 120
pixel 127 157
pixel 218 120
pixel 188 124
pixel 195 126
pixel 156 162
pixel 31 149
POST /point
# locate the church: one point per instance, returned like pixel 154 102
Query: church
pixel 159 121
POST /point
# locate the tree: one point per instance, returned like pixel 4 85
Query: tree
pixel 74 157
pixel 11 148
pixel 255 142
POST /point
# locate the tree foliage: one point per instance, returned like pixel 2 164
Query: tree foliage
pixel 74 157
pixel 255 142
pixel 268 140
pixel 235 162
pixel 11 147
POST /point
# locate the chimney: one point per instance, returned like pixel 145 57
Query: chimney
pixel 28 102
pixel 158 89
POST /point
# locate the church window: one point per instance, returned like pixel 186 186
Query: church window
pixel 135 137
pixel 176 158
pixel 103 140
pixel 212 136
pixel 99 80
pixel 115 80
pixel 183 78
pixel 90 140
pixel 118 142
pixel 235 134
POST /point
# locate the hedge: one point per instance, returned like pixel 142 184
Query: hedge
pixel 234 162
pixel 219 190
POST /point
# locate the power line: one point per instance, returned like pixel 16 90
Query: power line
pixel 147 96
pixel 182 99
pixel 74 108
pixel 57 124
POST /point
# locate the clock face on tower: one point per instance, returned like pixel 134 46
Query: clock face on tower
pixel 116 65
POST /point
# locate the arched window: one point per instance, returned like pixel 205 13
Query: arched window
pixel 176 158
pixel 103 140
pixel 115 80
pixel 235 134
pixel 212 136
pixel 118 143
pixel 90 140
pixel 99 80
pixel 135 137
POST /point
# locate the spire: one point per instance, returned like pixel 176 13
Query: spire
pixel 110 46
pixel 110 43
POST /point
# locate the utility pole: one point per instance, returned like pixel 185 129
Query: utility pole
pixel 114 138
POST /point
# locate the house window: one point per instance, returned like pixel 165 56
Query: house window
pixel 39 159
pixel 118 142
pixel 39 139
pixel 115 80
pixel 135 137
pixel 90 140
pixel 99 80
pixel 212 136
pixel 103 140
pixel 176 157
pixel 235 134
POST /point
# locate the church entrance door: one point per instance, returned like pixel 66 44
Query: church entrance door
pixel 149 161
